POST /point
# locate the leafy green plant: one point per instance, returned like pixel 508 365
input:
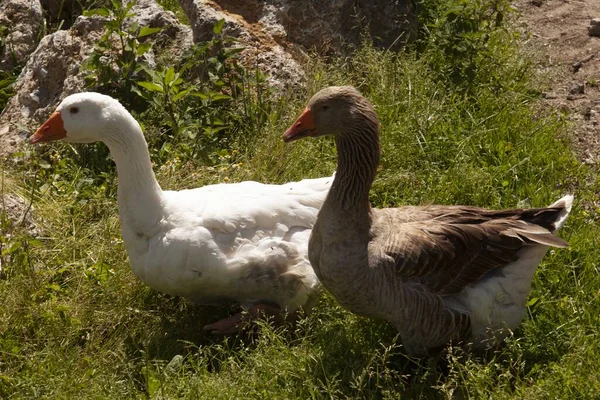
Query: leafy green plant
pixel 7 81
pixel 117 62
pixel 166 91
pixel 189 121
pixel 205 96
pixel 461 35
pixel 7 78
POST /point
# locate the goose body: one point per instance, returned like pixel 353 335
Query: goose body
pixel 440 274
pixel 245 241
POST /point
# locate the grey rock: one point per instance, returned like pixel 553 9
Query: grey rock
pixel 278 34
pixel 175 365
pixel 19 212
pixel 51 73
pixel 341 23
pixel 23 20
pixel 203 16
pixel 261 49
pixel 593 116
pixel 53 70
pixel 174 37
pixel 594 28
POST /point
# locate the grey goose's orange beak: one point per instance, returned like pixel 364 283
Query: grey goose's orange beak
pixel 52 129
pixel 303 127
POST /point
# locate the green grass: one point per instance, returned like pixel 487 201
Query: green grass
pixel 76 323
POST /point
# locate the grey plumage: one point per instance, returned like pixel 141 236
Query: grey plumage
pixel 440 274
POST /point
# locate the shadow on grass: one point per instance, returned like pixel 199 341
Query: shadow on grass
pixel 359 357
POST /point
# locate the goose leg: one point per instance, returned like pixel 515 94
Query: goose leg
pixel 226 326
pixel 236 323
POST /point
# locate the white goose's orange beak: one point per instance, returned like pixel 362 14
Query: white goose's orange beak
pixel 52 129
pixel 303 127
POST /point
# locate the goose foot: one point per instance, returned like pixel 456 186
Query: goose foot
pixel 227 326
pixel 236 323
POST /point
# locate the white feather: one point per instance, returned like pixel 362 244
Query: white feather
pixel 236 241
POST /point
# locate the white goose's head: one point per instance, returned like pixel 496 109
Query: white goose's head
pixel 82 118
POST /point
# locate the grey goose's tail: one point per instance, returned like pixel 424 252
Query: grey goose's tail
pixel 543 223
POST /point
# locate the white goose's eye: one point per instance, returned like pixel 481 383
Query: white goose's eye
pixel 74 110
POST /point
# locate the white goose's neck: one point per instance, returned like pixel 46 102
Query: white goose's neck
pixel 139 194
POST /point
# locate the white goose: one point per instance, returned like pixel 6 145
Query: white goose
pixel 246 242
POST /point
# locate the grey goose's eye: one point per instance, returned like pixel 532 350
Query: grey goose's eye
pixel 325 107
pixel 74 110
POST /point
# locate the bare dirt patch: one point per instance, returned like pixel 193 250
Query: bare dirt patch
pixel 559 33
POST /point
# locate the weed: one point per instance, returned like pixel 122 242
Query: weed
pixel 175 7
pixel 461 37
pixel 7 81
pixel 197 107
pixel 7 78
pixel 117 62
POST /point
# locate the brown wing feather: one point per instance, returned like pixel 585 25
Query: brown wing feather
pixel 457 246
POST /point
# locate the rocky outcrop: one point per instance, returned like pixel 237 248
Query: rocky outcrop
pixel 22 21
pixel 261 48
pixel 277 36
pixel 340 24
pixel 53 70
pixel 174 37
pixel 321 25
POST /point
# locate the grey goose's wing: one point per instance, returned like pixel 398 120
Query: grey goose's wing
pixel 457 246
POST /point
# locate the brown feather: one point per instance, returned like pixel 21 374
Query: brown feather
pixel 456 246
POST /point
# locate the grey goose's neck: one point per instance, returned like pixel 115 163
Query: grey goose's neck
pixel 358 159
pixel 139 194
